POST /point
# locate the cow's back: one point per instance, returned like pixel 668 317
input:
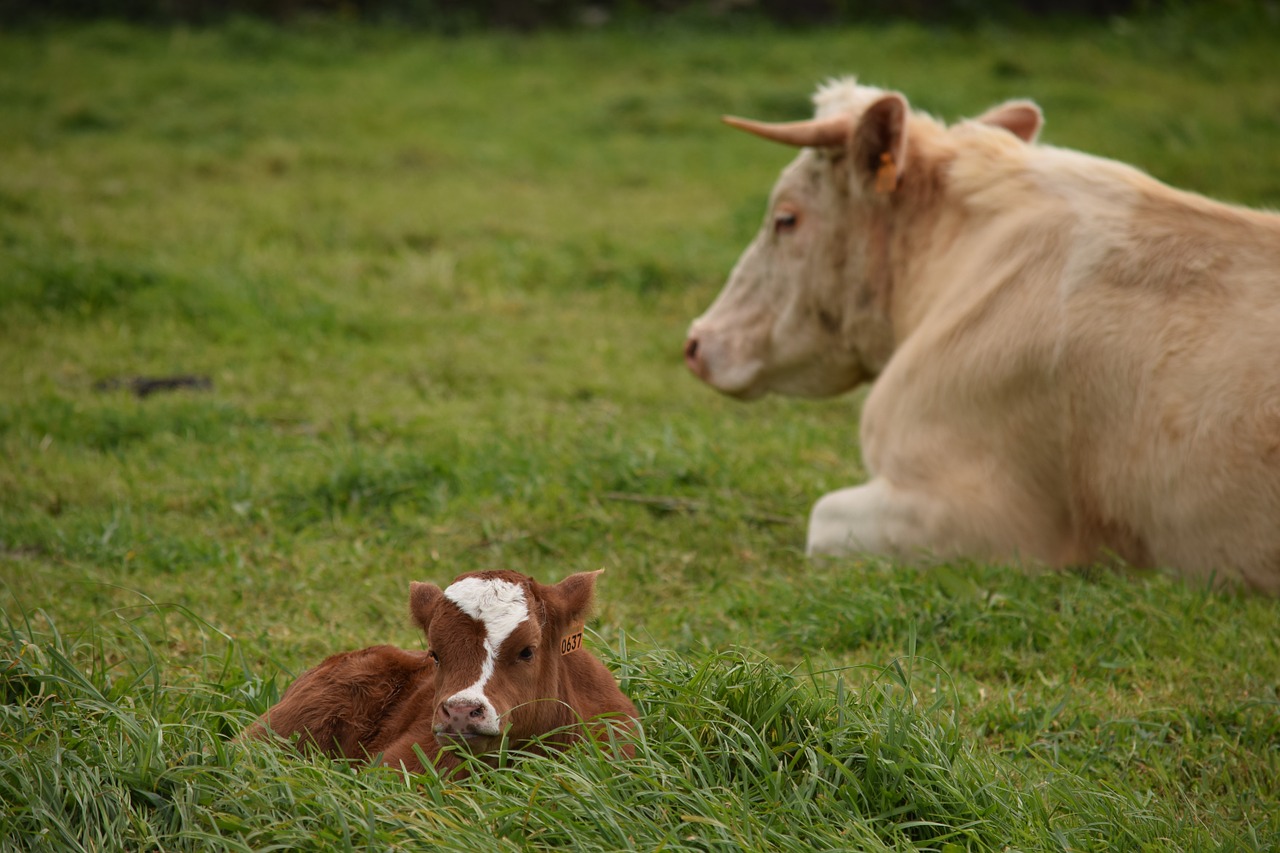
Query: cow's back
pixel 1174 366
pixel 344 706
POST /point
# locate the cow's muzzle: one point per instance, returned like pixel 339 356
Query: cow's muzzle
pixel 693 358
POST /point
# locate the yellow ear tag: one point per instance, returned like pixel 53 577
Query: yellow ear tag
pixel 887 174
pixel 571 642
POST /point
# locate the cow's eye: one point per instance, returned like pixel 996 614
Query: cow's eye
pixel 526 653
pixel 784 221
pixel 435 657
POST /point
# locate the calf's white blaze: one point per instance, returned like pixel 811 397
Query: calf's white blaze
pixel 501 607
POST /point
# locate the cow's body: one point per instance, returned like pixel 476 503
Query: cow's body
pixel 505 662
pixel 1072 361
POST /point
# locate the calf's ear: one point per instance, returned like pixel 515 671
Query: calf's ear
pixel 1021 118
pixel 879 144
pixel 422 602
pixel 570 599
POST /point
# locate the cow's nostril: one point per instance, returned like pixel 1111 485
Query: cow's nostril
pixel 477 713
pixel 691 349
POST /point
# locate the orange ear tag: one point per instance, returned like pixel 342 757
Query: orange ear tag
pixel 887 174
pixel 571 642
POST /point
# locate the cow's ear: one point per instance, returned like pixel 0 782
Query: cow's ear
pixel 422 602
pixel 1021 118
pixel 571 598
pixel 879 144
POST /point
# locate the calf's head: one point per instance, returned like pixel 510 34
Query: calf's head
pixel 497 639
pixel 806 310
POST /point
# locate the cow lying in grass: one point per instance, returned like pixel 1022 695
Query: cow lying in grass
pixel 505 661
pixel 1072 361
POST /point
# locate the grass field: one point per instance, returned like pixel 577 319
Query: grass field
pixel 439 289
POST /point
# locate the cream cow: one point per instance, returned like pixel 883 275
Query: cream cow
pixel 1072 362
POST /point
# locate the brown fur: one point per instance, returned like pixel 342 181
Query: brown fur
pixel 382 702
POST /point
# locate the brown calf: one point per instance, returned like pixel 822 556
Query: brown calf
pixel 505 659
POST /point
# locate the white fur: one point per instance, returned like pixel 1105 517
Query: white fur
pixel 501 607
pixel 844 95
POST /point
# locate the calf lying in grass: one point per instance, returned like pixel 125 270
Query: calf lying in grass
pixel 505 659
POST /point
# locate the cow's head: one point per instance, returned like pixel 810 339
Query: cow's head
pixel 806 310
pixel 497 639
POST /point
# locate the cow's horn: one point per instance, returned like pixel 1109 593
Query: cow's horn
pixel 814 133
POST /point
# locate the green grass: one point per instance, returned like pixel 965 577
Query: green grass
pixel 440 287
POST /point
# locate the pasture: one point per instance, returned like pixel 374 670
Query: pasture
pixel 438 289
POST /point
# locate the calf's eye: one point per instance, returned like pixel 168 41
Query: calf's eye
pixel 435 657
pixel 526 653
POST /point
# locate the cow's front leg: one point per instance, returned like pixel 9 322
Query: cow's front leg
pixel 887 520
pixel 402 753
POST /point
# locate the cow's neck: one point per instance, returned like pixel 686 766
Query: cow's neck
pixel 933 242
pixel 916 249
pixel 962 188
pixel 584 685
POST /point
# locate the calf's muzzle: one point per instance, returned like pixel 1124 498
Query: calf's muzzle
pixel 463 718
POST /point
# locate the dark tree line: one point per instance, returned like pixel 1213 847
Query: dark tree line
pixel 532 14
